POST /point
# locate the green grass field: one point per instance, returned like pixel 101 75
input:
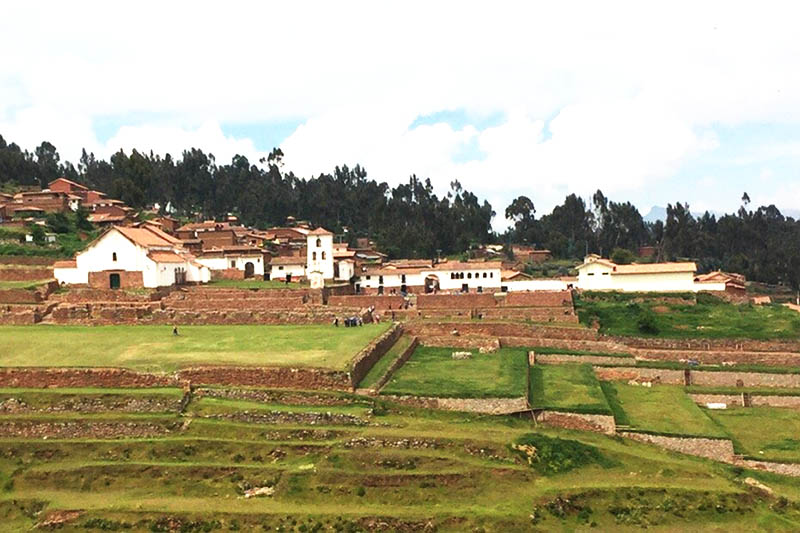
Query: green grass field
pixel 406 470
pixel 379 369
pixel 433 372
pixel 662 409
pixel 22 284
pixel 567 388
pixel 154 348
pixel 768 433
pixel 621 314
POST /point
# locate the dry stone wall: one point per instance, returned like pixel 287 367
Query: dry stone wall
pixel 716 449
pixel 490 406
pixel 397 363
pixel 455 301
pixel 756 400
pixel 82 377
pixel 539 299
pixel 627 373
pixel 273 377
pixel 370 355
pixel 380 303
pixel 580 421
pixel 25 274
pixel 556 358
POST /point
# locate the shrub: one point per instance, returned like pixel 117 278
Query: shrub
pixel 553 455
pixel 647 323
pixel 622 256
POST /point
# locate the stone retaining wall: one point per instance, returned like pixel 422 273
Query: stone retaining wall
pixel 771 358
pixel 716 449
pixel 26 260
pixel 25 274
pixel 471 342
pixel 273 377
pixel 708 345
pixel 539 299
pixel 667 376
pixel 228 273
pixel 785 469
pixel 32 377
pixel 588 346
pixel 379 302
pixel 397 363
pixel 501 329
pixel 756 400
pixel 747 379
pixel 24 316
pixel 370 355
pixel 533 314
pixel 557 358
pixel 584 422
pixel 232 304
pixel 455 301
pixel 489 406
pixel 89 295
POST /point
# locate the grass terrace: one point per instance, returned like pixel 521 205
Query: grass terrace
pixel 382 365
pixel 665 316
pixel 22 284
pixel 433 372
pixel 660 409
pixel 567 388
pixel 767 433
pixel 155 348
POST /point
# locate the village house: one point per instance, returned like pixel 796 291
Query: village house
pixel 247 260
pixel 598 274
pixel 127 257
pixel 528 254
pixel 417 276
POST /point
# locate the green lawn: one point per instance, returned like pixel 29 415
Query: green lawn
pixel 155 348
pixel 379 369
pixel 769 433
pixel 257 284
pixel 622 314
pixel 567 388
pixel 663 409
pixel 433 372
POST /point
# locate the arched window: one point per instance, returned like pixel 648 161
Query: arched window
pixel 323 256
pixel 313 256
pixel 114 256
pixel 319 242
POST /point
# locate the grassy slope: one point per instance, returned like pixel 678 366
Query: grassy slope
pixel 200 471
pixel 567 388
pixel 709 318
pixel 433 372
pixel 379 369
pixel 155 348
pixel 664 409
pixel 21 284
pixel 769 433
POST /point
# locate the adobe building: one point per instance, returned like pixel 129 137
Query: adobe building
pixel 126 257
pixel 418 276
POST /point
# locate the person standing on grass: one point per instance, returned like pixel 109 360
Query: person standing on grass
pixel 175 331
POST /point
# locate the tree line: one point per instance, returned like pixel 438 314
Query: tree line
pixel 410 220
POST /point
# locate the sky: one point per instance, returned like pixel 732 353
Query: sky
pixel 652 103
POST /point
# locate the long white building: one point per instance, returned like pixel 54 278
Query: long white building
pixel 422 276
pixel 598 274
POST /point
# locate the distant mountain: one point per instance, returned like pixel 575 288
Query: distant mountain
pixel 656 213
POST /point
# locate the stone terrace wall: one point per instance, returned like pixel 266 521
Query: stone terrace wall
pixel 748 379
pixel 455 301
pixel 491 406
pixel 370 355
pixel 82 377
pixel 228 273
pixel 534 314
pixel 232 304
pixel 566 344
pixel 472 342
pixel 379 302
pixel 501 329
pixel 770 358
pixel 20 296
pixel 763 400
pixel 273 377
pixel 88 295
pixel 539 299
pixel 26 260
pixel 705 345
pixel 19 315
pixel 557 359
pixel 716 449
pixel 400 361
pixel 668 377
pixel 25 274
pixel 583 422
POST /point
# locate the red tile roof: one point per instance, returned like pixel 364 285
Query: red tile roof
pixel 320 231
pixel 288 260
pixel 168 257
pixel 147 236
pixel 65 264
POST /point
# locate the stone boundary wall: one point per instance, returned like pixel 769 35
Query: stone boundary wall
pixel 397 363
pixel 213 293
pixel 718 357
pixel 748 379
pixel 716 449
pixel 472 342
pixel 584 422
pixel 534 314
pixel 26 260
pixel 231 304
pixel 25 274
pixel 379 302
pixel 25 316
pixel 785 469
pixel 558 358
pixel 626 373
pixel 539 299
pixel 88 295
pixel 708 345
pixel 20 296
pixel 32 377
pixel 756 400
pixel 489 406
pixel 501 329
pixel 272 377
pixel 455 301
pixel 371 353
pixel 589 346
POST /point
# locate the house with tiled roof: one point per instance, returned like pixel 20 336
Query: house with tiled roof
pixel 599 274
pixel 424 275
pixel 128 257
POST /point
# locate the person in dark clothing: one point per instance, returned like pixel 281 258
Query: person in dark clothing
pixel 175 331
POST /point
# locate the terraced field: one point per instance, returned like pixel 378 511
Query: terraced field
pixel 266 460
